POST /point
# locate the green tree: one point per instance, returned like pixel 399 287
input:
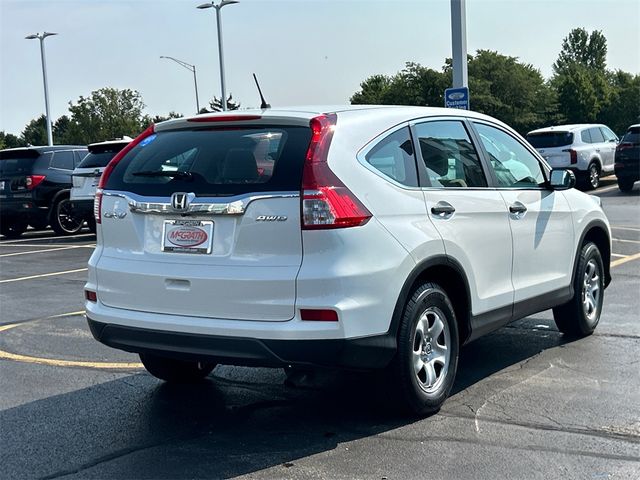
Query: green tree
pixel 580 76
pixel 106 113
pixel 372 91
pixel 215 105
pixel 161 118
pixel 60 129
pixel 35 132
pixel 623 108
pixel 8 140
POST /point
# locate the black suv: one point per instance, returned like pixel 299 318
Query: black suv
pixel 34 189
pixel 627 166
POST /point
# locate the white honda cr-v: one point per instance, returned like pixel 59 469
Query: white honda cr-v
pixel 355 237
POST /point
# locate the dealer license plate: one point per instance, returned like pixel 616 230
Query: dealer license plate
pixel 187 236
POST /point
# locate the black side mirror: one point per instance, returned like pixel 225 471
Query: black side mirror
pixel 562 179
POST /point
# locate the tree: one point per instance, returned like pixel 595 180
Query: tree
pixel 35 132
pixel 624 105
pixel 60 129
pixel 161 118
pixel 580 76
pixel 580 47
pixel 8 140
pixel 106 113
pixel 215 105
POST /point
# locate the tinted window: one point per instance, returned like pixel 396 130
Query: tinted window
pixel 78 156
pixel 632 136
pixel 596 135
pixel 394 157
pixel 97 160
pixel 513 164
pixel 18 162
pixel 214 161
pixel 449 156
pixel 62 160
pixel 550 139
pixel 585 136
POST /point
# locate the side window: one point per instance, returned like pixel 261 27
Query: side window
pixel 449 155
pixel 513 164
pixel 596 135
pixel 62 160
pixel 584 135
pixel 609 136
pixel 394 157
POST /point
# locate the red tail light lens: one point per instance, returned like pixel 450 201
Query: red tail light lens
pixel 97 203
pixel 326 201
pixel 624 146
pixel 33 181
pixel 319 315
pixel 573 155
pixel 90 295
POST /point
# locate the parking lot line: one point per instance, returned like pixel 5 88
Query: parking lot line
pixel 46 245
pixel 605 189
pixel 633 229
pixel 625 241
pixel 42 275
pixel 613 255
pixel 626 259
pixel 22 240
pixel 40 251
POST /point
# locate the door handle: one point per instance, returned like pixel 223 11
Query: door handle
pixel 443 209
pixel 517 208
pixel 597 150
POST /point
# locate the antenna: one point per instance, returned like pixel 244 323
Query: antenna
pixel 264 103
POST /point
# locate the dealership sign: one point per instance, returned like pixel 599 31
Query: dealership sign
pixel 457 98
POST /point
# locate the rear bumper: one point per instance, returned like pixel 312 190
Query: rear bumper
pixel 83 207
pixel 17 207
pixel 356 353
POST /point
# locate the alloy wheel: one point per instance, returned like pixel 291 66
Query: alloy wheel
pixel 431 352
pixel 591 291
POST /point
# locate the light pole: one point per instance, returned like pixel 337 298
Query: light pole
pixel 41 37
pixel 219 24
pixel 192 68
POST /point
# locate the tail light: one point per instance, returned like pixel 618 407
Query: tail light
pixel 97 203
pixel 624 146
pixel 573 155
pixel 318 315
pixel 33 181
pixel 90 295
pixel 326 201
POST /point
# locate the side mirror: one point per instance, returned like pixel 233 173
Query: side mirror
pixel 562 179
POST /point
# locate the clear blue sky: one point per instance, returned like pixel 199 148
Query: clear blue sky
pixel 303 51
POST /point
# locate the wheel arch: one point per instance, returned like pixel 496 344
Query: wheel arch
pixel 449 274
pixel 597 232
pixel 58 195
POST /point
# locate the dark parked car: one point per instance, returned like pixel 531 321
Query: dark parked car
pixel 627 166
pixel 34 189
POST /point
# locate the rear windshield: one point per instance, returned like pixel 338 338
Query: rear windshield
pixel 632 136
pixel 550 139
pixel 17 162
pixel 96 160
pixel 211 162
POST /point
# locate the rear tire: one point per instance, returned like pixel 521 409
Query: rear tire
pixel 579 316
pixel 625 184
pixel 13 228
pixel 64 221
pixel 175 371
pixel 426 362
pixel 593 176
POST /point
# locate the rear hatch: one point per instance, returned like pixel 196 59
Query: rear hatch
pixel 555 147
pixel 205 221
pixel 86 176
pixel 16 168
pixel 628 150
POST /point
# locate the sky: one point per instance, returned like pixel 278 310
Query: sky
pixel 303 51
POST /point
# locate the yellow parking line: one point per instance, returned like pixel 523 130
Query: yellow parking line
pixel 39 251
pixel 42 275
pixel 63 363
pixel 626 259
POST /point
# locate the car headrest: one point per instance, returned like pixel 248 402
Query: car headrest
pixel 239 165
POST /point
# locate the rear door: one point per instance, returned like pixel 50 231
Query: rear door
pixel 16 166
pixel 87 174
pixel 471 218
pixel 205 222
pixel 554 146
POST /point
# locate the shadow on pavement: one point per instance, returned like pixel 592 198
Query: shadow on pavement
pixel 229 425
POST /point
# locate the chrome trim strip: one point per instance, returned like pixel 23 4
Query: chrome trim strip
pixel 235 205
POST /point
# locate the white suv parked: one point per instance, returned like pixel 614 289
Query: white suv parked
pixel 587 149
pixel 357 237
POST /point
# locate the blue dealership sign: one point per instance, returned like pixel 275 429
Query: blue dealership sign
pixel 457 98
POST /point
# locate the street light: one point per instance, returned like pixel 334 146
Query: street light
pixel 41 37
pixel 218 8
pixel 192 68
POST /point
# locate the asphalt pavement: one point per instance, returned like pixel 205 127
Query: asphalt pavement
pixel 526 404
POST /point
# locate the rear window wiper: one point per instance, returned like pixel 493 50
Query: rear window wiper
pixel 163 173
